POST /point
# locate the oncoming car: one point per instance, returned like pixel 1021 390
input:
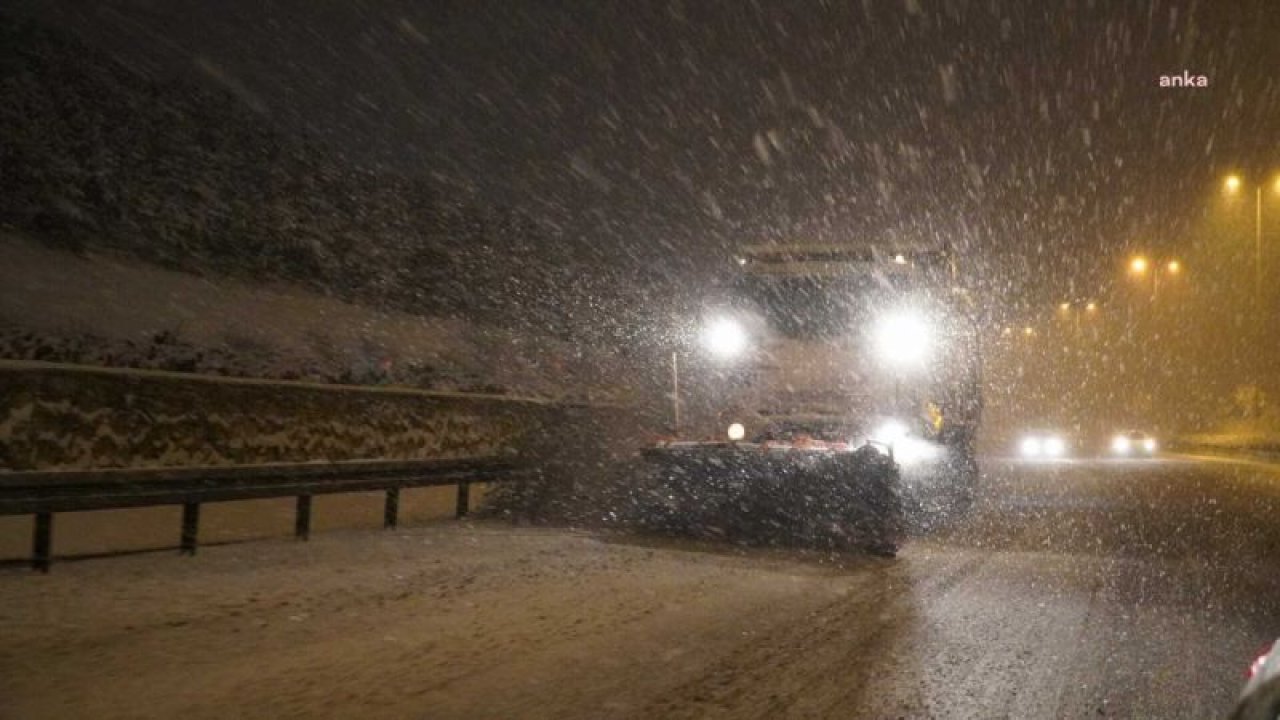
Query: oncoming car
pixel 1133 443
pixel 1042 445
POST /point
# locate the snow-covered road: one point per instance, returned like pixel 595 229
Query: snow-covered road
pixel 1091 589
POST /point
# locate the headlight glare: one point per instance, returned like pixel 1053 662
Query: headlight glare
pixel 1055 446
pixel 907 449
pixel 902 339
pixel 724 337
pixel 1031 446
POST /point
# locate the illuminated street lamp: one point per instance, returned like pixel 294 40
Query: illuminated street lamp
pixel 1233 185
pixel 1076 310
pixel 1011 333
pixel 1139 266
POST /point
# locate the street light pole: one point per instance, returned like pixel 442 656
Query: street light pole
pixel 675 393
pixel 1233 185
pixel 1257 249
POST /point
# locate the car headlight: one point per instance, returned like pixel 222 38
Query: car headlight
pixel 1055 446
pixel 1120 444
pixel 1149 445
pixel 902 338
pixel 1031 446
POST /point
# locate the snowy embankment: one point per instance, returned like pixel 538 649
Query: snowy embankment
pixel 112 311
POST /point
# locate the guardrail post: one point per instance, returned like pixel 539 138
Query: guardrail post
pixel 464 498
pixel 42 542
pixel 302 523
pixel 190 528
pixel 391 510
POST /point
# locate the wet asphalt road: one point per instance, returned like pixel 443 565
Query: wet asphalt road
pixel 1092 589
pixel 1079 589
pixel 1076 589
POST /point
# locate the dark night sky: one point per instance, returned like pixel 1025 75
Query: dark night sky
pixel 1034 133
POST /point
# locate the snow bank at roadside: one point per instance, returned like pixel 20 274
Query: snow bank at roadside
pixel 116 312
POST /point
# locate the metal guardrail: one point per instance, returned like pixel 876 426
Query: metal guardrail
pixel 43 493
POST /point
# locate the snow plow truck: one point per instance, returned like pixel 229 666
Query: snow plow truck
pixel 835 404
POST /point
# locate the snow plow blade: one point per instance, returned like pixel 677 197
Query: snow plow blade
pixel 762 495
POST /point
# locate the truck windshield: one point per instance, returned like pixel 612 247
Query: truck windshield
pixel 808 306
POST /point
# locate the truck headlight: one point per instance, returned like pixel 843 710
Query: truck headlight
pixel 724 337
pixel 902 338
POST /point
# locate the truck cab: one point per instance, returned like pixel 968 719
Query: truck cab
pixel 873 341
